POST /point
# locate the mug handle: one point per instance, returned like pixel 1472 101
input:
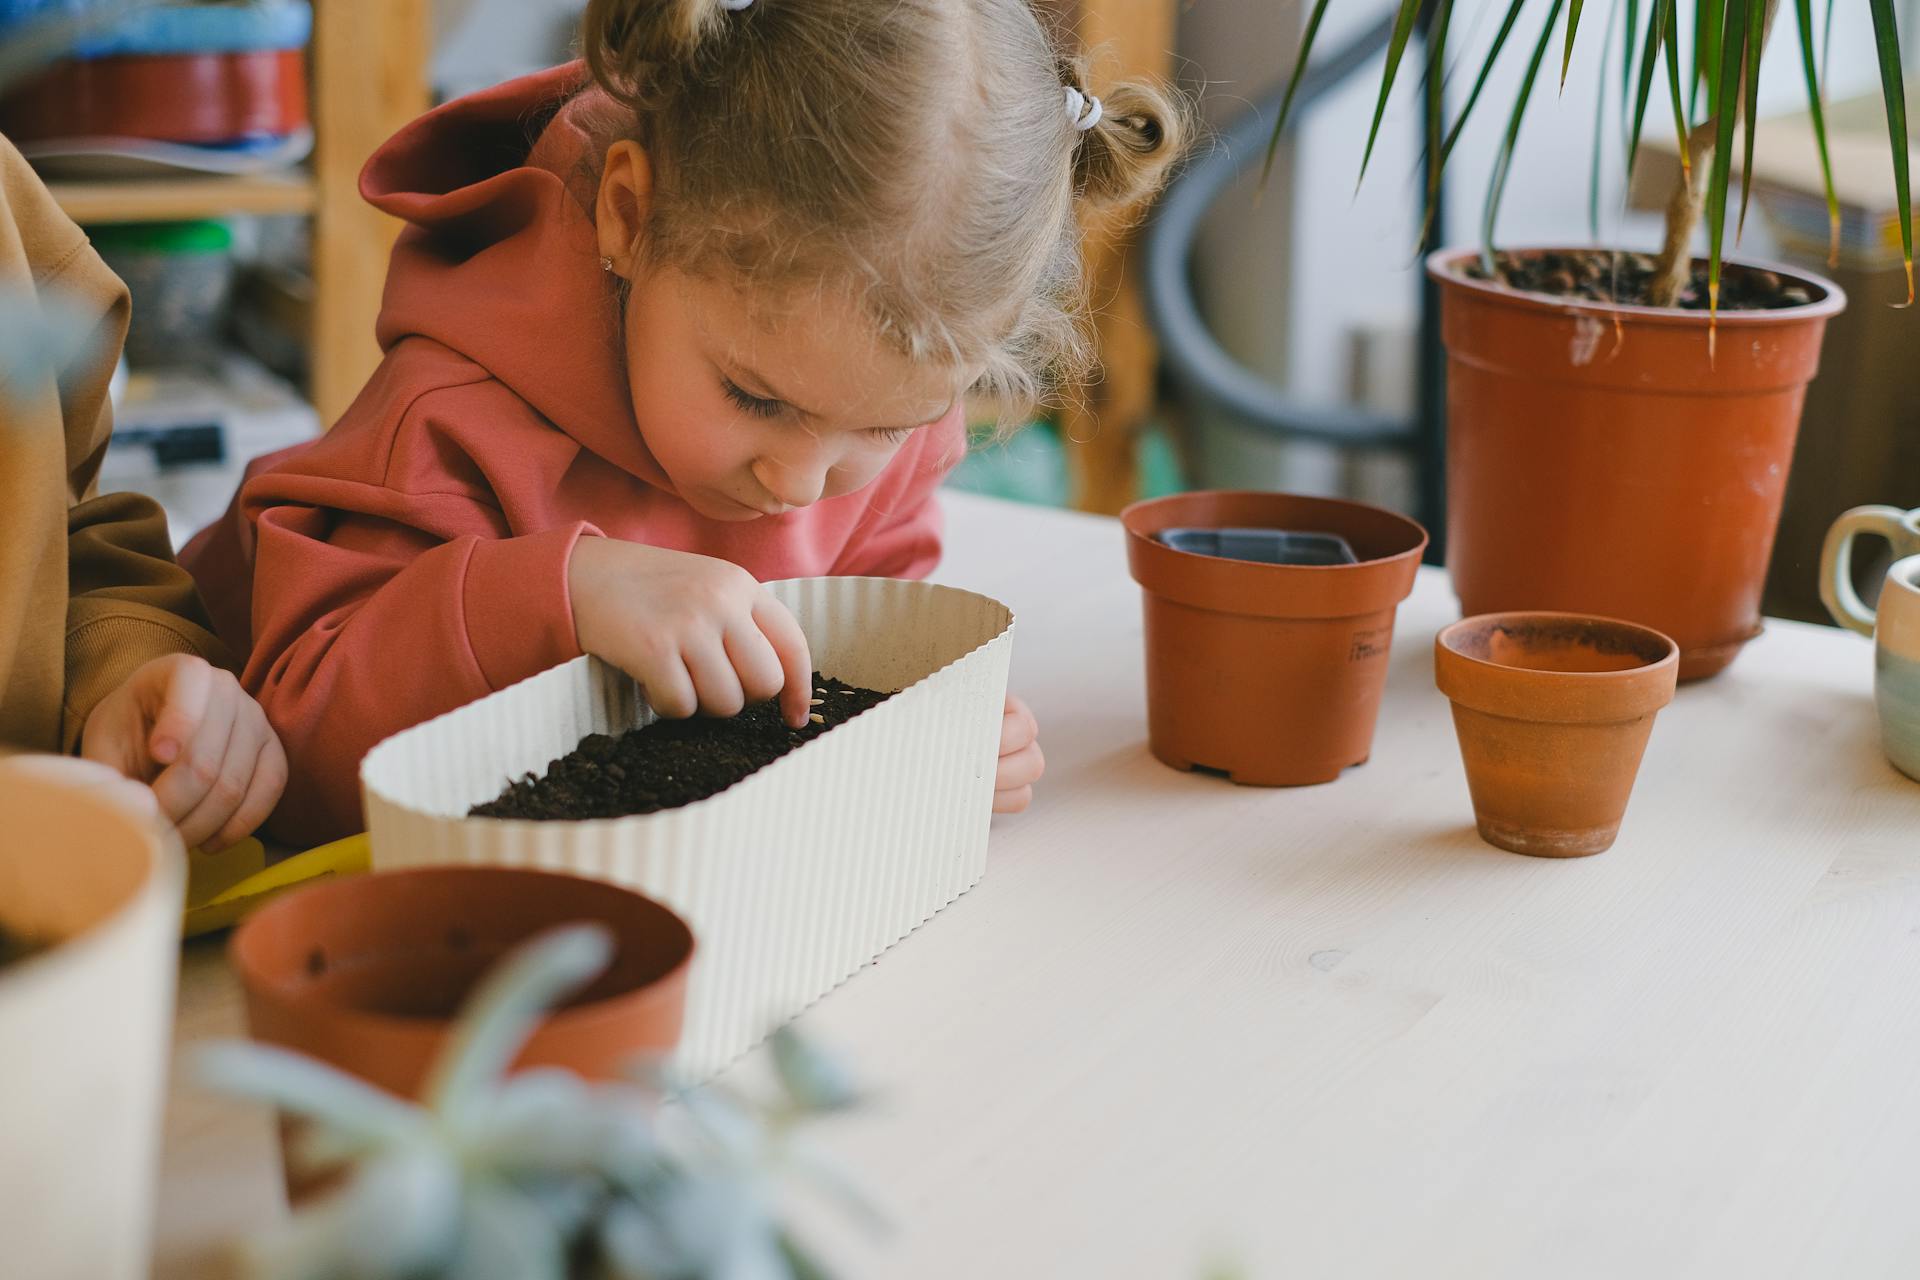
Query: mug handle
pixel 1836 562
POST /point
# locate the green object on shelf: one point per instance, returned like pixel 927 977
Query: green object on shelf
pixel 1031 466
pixel 203 236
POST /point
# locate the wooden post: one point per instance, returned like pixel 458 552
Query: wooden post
pixel 1101 420
pixel 370 62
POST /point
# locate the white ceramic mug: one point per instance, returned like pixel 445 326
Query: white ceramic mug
pixel 1900 528
pixel 1896 666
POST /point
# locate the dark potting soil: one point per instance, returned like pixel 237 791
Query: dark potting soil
pixel 1600 275
pixel 670 763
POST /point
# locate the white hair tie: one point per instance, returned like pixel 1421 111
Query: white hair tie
pixel 1082 110
pixel 735 6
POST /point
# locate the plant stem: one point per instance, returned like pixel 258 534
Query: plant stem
pixel 1674 267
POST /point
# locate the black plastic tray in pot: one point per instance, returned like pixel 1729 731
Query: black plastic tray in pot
pixel 1262 546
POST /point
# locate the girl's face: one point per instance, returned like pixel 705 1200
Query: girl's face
pixel 758 406
pixel 753 403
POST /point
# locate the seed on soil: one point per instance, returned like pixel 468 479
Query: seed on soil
pixel 817 702
pixel 817 719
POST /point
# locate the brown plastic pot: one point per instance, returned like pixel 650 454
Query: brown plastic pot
pixel 1553 712
pixel 367 972
pixel 1601 461
pixel 1270 674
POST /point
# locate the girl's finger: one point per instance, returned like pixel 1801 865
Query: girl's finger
pixel 183 686
pixel 183 784
pixel 1021 769
pixel 1015 801
pixel 268 780
pixel 755 662
pixel 229 789
pixel 667 685
pixel 715 683
pixel 1017 732
pixel 790 643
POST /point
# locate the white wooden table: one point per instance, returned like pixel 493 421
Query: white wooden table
pixel 1327 1032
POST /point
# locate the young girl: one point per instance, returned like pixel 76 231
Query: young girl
pixel 702 319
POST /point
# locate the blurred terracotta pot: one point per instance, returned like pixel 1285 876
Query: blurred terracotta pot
pixel 1600 460
pixel 85 1022
pixel 367 972
pixel 1553 712
pixel 1269 673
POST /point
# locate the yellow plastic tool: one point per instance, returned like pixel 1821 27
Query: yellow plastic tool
pixel 222 887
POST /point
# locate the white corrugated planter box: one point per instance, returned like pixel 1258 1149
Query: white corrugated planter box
pixel 794 877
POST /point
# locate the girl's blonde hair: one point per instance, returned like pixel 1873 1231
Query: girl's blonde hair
pixel 923 150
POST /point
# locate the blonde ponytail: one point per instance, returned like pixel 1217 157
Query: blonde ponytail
pixel 1123 159
pixel 629 42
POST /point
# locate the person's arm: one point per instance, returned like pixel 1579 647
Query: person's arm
pixel 375 609
pixel 128 602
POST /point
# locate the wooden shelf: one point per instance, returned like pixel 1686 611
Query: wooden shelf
pixel 171 199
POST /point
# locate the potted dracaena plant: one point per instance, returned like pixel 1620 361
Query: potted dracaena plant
pixel 1621 425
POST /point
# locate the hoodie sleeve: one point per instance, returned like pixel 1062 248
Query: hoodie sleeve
pixel 900 538
pixel 376 607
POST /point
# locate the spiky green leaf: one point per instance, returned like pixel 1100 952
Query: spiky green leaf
pixel 1680 125
pixel 1480 81
pixel 1599 124
pixel 1886 38
pixel 1756 47
pixel 1816 108
pixel 1436 105
pixel 1573 25
pixel 1629 39
pixel 1293 87
pixel 1649 58
pixel 1497 187
pixel 1709 24
pixel 1726 108
pixel 1396 48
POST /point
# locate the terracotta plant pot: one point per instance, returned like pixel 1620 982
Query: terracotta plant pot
pixel 1553 712
pixel 84 1028
pixel 1268 673
pixel 366 973
pixel 1600 461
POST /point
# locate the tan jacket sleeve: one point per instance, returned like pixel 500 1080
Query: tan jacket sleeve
pixel 121 600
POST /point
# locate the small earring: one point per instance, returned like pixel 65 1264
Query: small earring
pixel 606 264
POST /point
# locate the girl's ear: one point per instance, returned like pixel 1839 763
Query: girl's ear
pixel 620 211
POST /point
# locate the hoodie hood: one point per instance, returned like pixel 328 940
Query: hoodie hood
pixel 499 186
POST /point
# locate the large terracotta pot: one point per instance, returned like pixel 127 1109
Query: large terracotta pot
pixel 1599 460
pixel 1268 673
pixel 84 1025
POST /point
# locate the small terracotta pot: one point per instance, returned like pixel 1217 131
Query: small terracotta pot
pixel 1270 674
pixel 367 972
pixel 1553 712
pixel 1601 461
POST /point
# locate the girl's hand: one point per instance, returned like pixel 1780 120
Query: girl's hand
pixel 1021 760
pixel 699 634
pixel 191 732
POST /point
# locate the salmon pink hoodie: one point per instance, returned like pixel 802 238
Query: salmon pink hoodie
pixel 414 558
